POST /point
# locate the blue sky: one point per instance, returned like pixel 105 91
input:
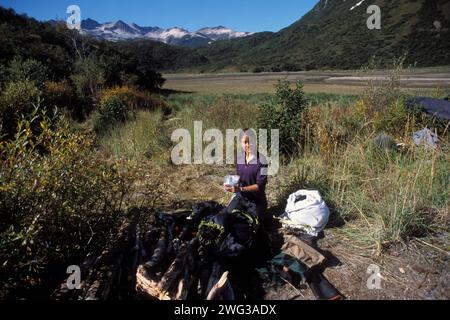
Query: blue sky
pixel 242 15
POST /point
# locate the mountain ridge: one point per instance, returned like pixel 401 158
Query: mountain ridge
pixel 120 30
pixel 334 35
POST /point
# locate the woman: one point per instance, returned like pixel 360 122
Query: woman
pixel 253 180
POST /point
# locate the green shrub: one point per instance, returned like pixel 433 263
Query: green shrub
pixel 114 105
pixel 382 106
pixel 392 119
pixel 62 95
pixel 285 113
pixel 144 100
pixel 59 201
pixel 17 99
pixel 128 79
pixel 258 70
pixel 20 70
pixel 108 114
pixel 3 76
pixel 381 93
pixel 88 77
pixel 148 79
pixel 121 103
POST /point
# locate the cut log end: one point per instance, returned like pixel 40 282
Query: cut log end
pixel 149 287
pixel 218 287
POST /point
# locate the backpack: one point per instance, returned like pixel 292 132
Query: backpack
pixel 231 232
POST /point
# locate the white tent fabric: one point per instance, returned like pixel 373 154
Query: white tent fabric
pixel 307 211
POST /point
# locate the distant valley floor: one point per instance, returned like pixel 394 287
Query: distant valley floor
pixel 339 82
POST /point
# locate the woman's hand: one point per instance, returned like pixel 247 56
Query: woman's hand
pixel 231 189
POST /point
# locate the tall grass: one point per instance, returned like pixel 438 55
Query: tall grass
pixel 389 196
pixel 216 111
pixel 141 138
pixel 383 196
pixel 329 99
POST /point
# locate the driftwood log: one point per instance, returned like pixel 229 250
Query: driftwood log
pixel 149 287
pixel 176 281
pixel 190 273
pixel 219 287
pixel 161 265
pixel 175 270
pixel 107 270
pixel 159 253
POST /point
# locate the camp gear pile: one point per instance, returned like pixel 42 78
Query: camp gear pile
pixel 199 243
pixel 197 254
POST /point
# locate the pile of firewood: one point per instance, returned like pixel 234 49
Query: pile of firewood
pixel 165 259
pixel 173 267
pixel 159 261
pixel 111 274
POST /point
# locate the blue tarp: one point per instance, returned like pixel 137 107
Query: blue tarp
pixel 434 107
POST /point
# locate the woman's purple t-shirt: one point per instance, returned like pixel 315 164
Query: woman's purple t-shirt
pixel 250 175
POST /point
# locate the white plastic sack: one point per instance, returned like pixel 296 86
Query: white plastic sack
pixel 306 210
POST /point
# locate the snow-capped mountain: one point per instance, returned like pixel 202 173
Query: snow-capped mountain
pixel 222 33
pixel 119 30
